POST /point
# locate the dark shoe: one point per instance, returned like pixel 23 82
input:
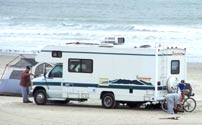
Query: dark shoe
pixel 27 101
pixel 175 111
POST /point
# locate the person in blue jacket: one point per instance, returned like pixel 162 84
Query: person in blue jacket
pixel 181 85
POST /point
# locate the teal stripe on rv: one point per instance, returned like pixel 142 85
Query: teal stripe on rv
pixel 48 83
pixel 114 86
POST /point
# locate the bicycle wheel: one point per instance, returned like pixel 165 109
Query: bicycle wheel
pixel 164 105
pixel 189 104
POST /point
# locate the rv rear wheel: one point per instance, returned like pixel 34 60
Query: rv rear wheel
pixel 108 101
pixel 40 97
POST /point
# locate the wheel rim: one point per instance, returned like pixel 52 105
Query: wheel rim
pixel 40 98
pixel 164 106
pixel 108 101
pixel 189 105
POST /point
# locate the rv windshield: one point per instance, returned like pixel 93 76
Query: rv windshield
pixel 56 71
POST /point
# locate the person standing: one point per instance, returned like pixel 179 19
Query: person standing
pixel 25 83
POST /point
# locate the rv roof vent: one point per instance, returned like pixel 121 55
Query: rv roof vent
pixel 114 40
pixel 145 46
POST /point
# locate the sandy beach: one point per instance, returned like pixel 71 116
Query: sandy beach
pixel 14 112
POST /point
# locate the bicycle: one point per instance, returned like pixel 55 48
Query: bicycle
pixel 188 104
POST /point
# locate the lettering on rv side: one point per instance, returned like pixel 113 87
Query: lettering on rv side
pixel 177 53
pixel 103 81
pixel 143 78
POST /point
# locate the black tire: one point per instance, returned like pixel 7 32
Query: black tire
pixel 164 105
pixel 189 104
pixel 67 101
pixel 40 97
pixel 108 101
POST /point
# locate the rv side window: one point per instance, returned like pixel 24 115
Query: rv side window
pixel 121 40
pixel 175 67
pixel 57 54
pixel 56 72
pixel 80 65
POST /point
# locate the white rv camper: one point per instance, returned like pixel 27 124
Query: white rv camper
pixel 112 74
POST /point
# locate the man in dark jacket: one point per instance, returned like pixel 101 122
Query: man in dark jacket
pixel 25 83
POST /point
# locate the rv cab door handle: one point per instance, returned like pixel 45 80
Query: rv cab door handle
pixel 50 78
pixel 68 85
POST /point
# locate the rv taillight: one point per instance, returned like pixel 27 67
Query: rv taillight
pixel 158 83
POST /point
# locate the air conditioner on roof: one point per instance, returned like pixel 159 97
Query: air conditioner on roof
pixel 114 40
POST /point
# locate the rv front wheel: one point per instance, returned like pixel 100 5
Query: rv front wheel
pixel 40 97
pixel 108 101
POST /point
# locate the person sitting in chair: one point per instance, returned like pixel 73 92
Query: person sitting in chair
pixel 186 87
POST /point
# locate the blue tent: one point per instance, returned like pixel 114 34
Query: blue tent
pixel 9 82
pixel 10 87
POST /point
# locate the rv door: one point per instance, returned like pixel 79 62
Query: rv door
pixel 177 71
pixel 54 80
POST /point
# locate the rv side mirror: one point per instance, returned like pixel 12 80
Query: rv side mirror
pixel 44 73
pixel 44 70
